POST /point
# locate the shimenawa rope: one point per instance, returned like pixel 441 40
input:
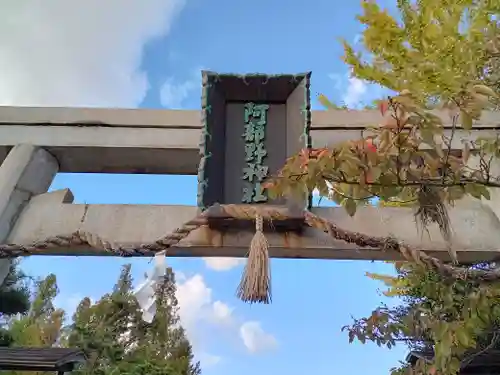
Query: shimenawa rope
pixel 255 285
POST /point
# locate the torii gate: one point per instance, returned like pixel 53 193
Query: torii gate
pixel 36 143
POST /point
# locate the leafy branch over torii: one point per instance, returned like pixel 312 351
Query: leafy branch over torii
pixel 437 55
pixel 408 159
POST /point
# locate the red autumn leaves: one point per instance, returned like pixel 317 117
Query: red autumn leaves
pixel 399 116
pixel 358 148
pixel 367 146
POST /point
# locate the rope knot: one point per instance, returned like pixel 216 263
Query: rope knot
pixel 259 223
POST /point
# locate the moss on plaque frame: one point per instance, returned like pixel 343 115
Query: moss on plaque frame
pixel 204 140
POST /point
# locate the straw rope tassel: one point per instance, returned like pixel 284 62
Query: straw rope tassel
pixel 255 285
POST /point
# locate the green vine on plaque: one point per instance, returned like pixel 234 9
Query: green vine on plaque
pixel 255 151
pixel 205 140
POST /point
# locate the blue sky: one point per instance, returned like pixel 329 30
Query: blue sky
pixel 135 54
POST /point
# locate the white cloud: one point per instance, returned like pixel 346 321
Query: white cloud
pixel 356 90
pixel 338 81
pixel 222 313
pixel 173 93
pixel 255 338
pixel 222 263
pixel 196 305
pixel 208 360
pixel 84 53
pixel 353 90
pixel 194 298
pixel 196 309
pixel 180 276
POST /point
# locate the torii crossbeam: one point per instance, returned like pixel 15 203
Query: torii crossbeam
pixel 36 143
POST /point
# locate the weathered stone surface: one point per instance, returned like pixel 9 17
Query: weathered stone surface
pixel 476 229
pixel 25 172
pixel 157 141
pixel 144 141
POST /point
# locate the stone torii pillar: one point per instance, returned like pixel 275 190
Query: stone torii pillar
pixel 26 171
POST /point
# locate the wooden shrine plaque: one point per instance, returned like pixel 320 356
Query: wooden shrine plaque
pixel 251 124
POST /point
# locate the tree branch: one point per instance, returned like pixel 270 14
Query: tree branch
pixel 494 340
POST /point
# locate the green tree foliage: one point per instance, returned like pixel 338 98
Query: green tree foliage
pixel 327 103
pixel 428 61
pixel 455 318
pixel 118 341
pixel 165 339
pixel 102 329
pixel 110 331
pixel 438 54
pixel 14 299
pixel 42 325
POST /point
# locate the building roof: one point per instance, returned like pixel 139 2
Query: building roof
pixel 479 364
pixel 40 359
